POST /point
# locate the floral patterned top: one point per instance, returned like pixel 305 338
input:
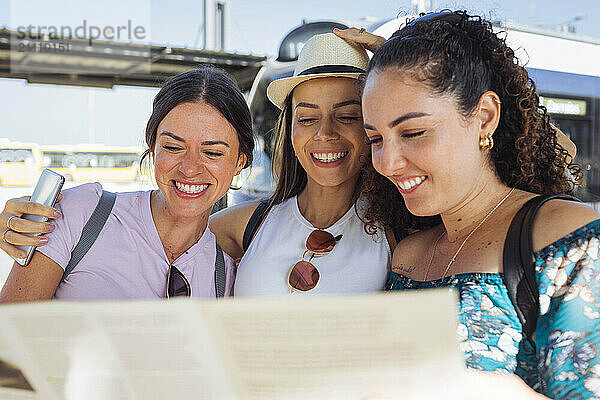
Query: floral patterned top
pixel 566 363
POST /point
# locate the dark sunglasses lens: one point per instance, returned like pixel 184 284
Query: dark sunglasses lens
pixel 320 241
pixel 303 276
pixel 178 284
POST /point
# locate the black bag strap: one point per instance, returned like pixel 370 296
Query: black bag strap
pixel 220 274
pixel 399 234
pixel 91 230
pixel 519 264
pixel 94 226
pixel 258 216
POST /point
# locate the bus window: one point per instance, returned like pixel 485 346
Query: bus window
pixel 19 164
pixel 579 130
pixel 292 43
pixel 16 155
pixel 256 182
pixel 86 165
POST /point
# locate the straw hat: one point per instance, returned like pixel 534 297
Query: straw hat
pixel 322 56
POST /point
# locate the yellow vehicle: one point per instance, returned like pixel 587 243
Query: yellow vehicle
pixel 93 162
pixel 20 163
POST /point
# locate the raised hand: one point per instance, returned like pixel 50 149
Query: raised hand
pixel 361 36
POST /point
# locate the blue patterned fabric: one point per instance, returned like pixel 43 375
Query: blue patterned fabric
pixel 565 364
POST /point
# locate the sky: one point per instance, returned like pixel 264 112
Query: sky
pixel 49 114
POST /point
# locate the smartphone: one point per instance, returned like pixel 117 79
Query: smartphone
pixel 46 192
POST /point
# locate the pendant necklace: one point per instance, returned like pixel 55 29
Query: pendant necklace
pixel 464 241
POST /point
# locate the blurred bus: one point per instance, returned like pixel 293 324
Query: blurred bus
pixel 20 163
pixel 563 65
pixel 93 162
pixel 255 182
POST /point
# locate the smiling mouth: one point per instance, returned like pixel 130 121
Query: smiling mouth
pixel 409 184
pixel 190 189
pixel 329 157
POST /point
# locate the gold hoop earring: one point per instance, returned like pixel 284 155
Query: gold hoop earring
pixel 486 142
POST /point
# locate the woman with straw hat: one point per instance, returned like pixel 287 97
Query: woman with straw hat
pixel 312 239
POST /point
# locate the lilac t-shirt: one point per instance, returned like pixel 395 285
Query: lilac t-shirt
pixel 127 260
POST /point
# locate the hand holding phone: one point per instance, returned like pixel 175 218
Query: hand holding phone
pixel 46 192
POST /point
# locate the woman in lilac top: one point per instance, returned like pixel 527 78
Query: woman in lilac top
pixel 199 137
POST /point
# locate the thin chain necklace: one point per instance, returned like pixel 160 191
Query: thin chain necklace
pixel 464 241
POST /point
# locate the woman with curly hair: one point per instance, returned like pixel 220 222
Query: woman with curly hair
pixel 456 127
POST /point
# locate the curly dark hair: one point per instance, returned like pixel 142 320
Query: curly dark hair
pixel 457 54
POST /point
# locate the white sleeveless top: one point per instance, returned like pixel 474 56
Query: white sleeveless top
pixel 358 263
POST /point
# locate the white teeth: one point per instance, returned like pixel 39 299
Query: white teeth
pixel 329 157
pixel 191 189
pixel 410 183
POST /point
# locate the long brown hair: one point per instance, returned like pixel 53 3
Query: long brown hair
pixel 286 169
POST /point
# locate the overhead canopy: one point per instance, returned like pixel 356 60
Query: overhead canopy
pixel 84 62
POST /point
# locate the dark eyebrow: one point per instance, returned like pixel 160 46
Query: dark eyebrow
pixel 404 117
pixel 346 103
pixel 205 143
pixel 309 105
pixel 174 136
pixel 369 127
pixel 213 142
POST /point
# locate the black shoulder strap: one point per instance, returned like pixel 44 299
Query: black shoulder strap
pixel 519 264
pixel 220 274
pixel 91 230
pixel 258 216
pixel 399 234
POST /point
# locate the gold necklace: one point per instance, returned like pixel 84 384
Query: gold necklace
pixel 464 241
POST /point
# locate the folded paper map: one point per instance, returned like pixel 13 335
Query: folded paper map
pixel 385 345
